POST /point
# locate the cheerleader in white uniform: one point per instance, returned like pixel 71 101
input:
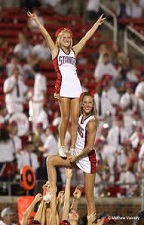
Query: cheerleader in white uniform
pixel 67 88
pixel 84 156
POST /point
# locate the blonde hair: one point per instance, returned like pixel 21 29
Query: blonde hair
pixel 94 109
pixel 60 35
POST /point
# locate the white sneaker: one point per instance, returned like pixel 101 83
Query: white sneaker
pixel 72 151
pixel 62 152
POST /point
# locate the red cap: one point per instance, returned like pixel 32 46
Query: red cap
pixel 130 85
pixel 99 141
pixel 107 77
pixel 52 128
pixel 2 126
pixel 119 117
pixel 39 125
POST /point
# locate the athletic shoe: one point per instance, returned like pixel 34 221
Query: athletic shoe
pixel 62 152
pixel 72 151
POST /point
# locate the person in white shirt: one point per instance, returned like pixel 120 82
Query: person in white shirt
pixel 105 67
pixel 14 62
pixel 13 130
pixel 128 104
pixel 103 103
pixel 117 134
pixel 23 48
pixel 41 51
pixel 110 91
pixel 50 146
pixel 7 154
pixel 92 10
pixel 15 91
pixel 139 93
pixel 27 157
pixel 136 9
pixel 39 94
pixel 128 180
pixel 43 116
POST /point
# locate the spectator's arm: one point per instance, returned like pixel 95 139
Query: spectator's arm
pixel 67 194
pixel 28 211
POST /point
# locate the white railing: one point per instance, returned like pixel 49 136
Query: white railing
pixel 112 27
pixel 129 30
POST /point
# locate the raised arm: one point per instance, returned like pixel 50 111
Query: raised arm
pixel 78 47
pixel 28 211
pixel 67 194
pixel 44 32
pixel 54 220
pixel 76 196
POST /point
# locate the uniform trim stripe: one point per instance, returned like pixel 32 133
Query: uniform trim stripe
pixel 59 76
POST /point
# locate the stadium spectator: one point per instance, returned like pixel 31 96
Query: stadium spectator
pixel 7 156
pixel 27 156
pixel 136 9
pixel 38 97
pixel 7 216
pixel 41 52
pixel 14 62
pixel 43 115
pixel 109 90
pixel 139 93
pixel 28 67
pixel 123 9
pixel 92 10
pixel 15 92
pixel 117 134
pixel 104 106
pixel 105 66
pixel 23 48
pixel 13 131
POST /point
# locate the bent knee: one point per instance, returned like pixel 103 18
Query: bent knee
pixel 49 160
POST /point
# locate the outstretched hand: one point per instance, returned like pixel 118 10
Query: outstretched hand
pixel 32 16
pixel 77 193
pixel 101 20
pixel 38 197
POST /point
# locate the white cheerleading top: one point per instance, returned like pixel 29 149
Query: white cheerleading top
pixel 67 83
pixel 87 163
